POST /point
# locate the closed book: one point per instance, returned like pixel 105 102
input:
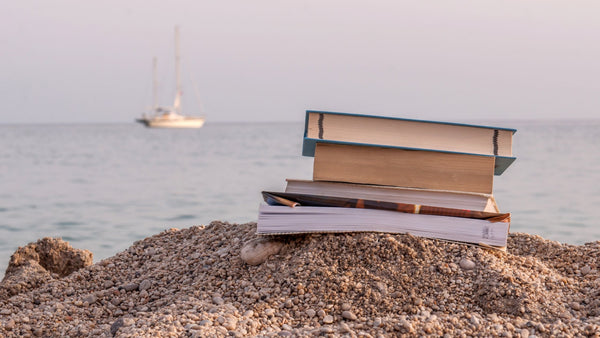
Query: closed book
pixel 403 168
pixel 293 200
pixel 441 198
pixel 407 133
pixel 273 219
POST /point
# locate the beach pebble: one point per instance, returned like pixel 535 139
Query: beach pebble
pixel 116 326
pixel 586 270
pixel 344 328
pixel 9 324
pixel 259 250
pixel 230 324
pixel 90 299
pixel 348 315
pixel 145 285
pixel 406 325
pixel 377 322
pixel 467 264
pixel 326 330
pixel 328 319
pixel 218 300
pixel 130 287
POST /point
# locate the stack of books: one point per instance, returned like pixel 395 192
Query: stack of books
pixel 383 174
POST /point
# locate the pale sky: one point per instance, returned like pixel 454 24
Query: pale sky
pixel 267 60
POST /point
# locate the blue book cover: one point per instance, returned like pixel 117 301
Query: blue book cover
pixel 409 134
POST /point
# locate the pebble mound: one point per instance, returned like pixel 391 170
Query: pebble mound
pixel 194 283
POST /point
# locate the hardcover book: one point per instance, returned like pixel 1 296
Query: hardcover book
pixel 405 168
pixel 330 127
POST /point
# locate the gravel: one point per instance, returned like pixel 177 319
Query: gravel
pixel 193 282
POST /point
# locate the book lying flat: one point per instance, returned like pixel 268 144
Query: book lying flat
pixel 273 219
pixel 440 198
pixel 405 168
pixel 383 131
pixel 293 200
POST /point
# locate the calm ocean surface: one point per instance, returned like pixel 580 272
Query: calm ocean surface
pixel 102 187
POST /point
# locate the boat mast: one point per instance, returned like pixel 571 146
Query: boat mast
pixel 177 104
pixel 154 85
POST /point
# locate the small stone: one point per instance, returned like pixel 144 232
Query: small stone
pixel 116 326
pixel 378 322
pixel 218 300
pixel 230 324
pixel 467 264
pixel 348 315
pixel 127 321
pixel 406 325
pixel 346 306
pixel 328 319
pixel 90 299
pixel 259 250
pixel 9 324
pixel 586 270
pixel 310 313
pixel 145 285
pixel 130 287
pixel 344 328
pixel 326 330
pixel 382 287
pixel 269 312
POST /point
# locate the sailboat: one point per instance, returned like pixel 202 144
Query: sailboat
pixel 170 117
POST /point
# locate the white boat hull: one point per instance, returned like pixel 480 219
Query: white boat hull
pixel 190 122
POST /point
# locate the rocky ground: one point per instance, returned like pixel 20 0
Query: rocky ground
pixel 223 280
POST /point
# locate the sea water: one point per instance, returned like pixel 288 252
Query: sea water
pixel 103 186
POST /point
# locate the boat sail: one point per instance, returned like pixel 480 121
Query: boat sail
pixel 170 117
